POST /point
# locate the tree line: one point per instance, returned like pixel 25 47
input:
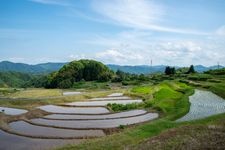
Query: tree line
pixel 172 70
pixel 82 70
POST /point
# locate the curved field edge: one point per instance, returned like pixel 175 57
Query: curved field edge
pixel 170 98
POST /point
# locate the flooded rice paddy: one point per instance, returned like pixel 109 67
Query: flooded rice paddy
pixel 111 98
pixel 15 142
pixel 204 104
pixel 115 94
pixel 95 124
pixel 27 129
pixel 104 103
pixel 12 111
pixel 95 117
pixel 71 93
pixel 74 110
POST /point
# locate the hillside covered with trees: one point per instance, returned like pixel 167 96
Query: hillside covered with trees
pixel 14 79
pixel 85 70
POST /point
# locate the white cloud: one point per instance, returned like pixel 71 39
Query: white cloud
pixel 137 14
pixel 221 31
pixel 137 47
pixel 16 59
pixel 118 56
pixel 128 11
pixel 77 57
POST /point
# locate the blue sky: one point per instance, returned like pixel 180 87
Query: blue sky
pixel 126 32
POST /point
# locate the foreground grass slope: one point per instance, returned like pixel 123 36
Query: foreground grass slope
pixel 208 133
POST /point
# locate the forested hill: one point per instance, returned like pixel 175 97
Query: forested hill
pixel 86 70
pixel 14 79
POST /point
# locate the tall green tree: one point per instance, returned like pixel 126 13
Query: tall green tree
pixel 170 70
pixel 167 70
pixel 191 69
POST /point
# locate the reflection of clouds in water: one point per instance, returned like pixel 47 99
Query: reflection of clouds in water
pixel 12 111
pixel 204 104
pixel 96 124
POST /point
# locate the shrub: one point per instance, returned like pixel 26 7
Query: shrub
pixel 125 83
pixel 121 107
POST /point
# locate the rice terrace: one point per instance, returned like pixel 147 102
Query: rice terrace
pixel 112 75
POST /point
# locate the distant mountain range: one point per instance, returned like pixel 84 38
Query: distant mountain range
pixel 26 68
pixel 144 69
pixel 50 67
pixel 160 68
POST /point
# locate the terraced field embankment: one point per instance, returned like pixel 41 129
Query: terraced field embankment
pixel 71 122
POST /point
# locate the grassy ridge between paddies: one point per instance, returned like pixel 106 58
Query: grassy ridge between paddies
pixel 176 104
pixel 218 88
pixel 170 98
pixel 36 93
pixel 28 98
pixel 211 82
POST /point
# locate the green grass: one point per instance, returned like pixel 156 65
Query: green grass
pixel 200 77
pixel 217 71
pixel 166 93
pixel 218 89
pixel 8 91
pixel 142 89
pixel 173 103
pixel 169 97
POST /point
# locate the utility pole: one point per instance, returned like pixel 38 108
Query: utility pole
pixel 150 71
pixel 218 65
